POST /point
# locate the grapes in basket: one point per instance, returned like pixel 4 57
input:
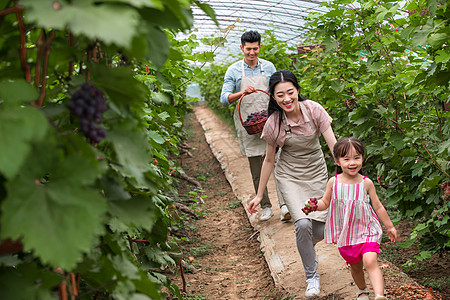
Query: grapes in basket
pixel 256 116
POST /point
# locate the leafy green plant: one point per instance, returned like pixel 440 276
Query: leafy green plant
pixel 81 215
pixel 376 74
pixel 234 204
pixel 437 284
pixel 202 250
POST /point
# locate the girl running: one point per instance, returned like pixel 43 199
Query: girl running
pixel 352 221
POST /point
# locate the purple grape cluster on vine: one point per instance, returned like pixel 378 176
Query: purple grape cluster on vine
pixel 310 206
pixel 256 116
pixel 88 104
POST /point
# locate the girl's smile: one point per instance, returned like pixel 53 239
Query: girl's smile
pixel 350 163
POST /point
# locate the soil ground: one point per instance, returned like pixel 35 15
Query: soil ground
pixel 224 257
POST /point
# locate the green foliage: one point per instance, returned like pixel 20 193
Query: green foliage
pixel 384 77
pixel 94 212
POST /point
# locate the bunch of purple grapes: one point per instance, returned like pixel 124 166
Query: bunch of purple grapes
pixel 256 116
pixel 310 206
pixel 88 104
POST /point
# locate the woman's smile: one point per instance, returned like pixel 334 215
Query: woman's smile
pixel 286 96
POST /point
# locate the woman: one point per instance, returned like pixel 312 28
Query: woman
pixel 294 125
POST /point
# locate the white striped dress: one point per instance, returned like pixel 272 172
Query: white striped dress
pixel 351 219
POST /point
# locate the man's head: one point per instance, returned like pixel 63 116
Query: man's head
pixel 250 45
pixel 250 37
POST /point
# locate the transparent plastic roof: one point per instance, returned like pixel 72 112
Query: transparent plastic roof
pixel 286 18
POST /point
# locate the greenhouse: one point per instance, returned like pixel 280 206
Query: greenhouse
pixel 206 149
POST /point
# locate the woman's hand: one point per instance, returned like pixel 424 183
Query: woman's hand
pixel 253 204
pixel 392 233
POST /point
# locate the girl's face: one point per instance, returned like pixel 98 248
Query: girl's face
pixel 286 96
pixel 351 163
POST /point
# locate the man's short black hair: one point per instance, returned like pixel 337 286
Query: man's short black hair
pixel 250 37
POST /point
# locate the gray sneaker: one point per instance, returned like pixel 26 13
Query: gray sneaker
pixel 313 287
pixel 285 215
pixel 266 214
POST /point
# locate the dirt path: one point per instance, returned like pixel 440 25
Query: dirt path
pixel 230 261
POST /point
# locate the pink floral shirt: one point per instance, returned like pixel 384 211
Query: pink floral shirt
pixel 276 137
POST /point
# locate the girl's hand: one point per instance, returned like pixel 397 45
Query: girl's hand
pixel 253 204
pixel 310 206
pixel 392 233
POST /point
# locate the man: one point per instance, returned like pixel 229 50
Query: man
pixel 244 77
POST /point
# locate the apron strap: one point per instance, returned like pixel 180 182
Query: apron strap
pixel 287 128
pixel 259 62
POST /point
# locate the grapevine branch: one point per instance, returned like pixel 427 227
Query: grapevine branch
pixel 39 57
pixel 71 62
pixel 18 11
pixel 230 27
pixel 435 162
pixel 440 123
pixel 44 72
pixel 130 241
pixel 424 147
pixel 182 276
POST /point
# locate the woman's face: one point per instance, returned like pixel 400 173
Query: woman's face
pixel 286 96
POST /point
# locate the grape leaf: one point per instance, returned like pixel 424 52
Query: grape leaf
pixel 21 282
pixel 59 219
pixel 142 3
pixel 16 90
pixel 18 128
pixel 158 46
pixel 118 84
pixel 132 150
pixel 109 23
pixel 138 211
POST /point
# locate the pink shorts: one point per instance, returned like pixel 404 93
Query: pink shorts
pixel 354 253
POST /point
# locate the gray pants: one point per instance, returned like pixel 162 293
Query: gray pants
pixel 255 168
pixel 308 232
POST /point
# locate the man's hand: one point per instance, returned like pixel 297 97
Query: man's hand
pixel 249 89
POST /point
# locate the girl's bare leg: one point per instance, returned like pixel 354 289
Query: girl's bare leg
pixel 375 274
pixel 358 275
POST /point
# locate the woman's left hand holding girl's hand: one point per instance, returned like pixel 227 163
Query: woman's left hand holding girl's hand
pixel 392 233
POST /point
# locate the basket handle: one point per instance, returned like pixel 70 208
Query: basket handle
pixel 240 99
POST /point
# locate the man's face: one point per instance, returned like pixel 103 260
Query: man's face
pixel 251 51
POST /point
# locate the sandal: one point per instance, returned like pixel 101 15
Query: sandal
pixel 380 297
pixel 361 292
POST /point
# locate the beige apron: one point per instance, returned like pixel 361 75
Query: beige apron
pixel 251 145
pixel 301 171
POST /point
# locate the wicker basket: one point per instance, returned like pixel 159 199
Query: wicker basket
pixel 256 126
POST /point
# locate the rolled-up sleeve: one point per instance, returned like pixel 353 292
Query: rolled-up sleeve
pixel 271 132
pixel 228 87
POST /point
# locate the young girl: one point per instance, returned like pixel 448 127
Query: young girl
pixel 352 220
